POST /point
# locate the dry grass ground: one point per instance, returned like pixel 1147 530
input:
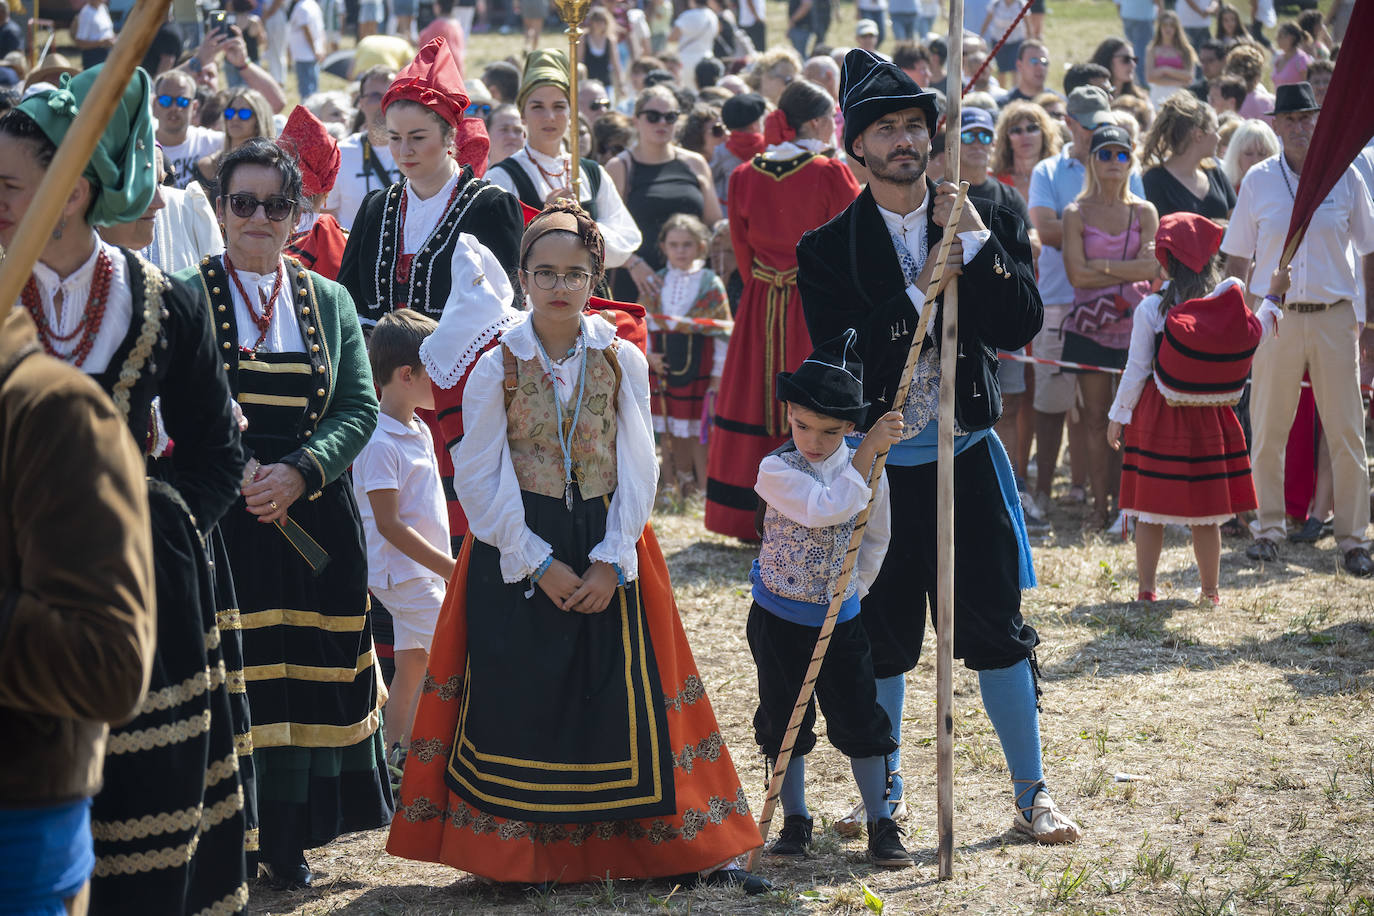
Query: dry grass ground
pixel 1248 732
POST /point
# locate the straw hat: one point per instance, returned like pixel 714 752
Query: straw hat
pixel 50 70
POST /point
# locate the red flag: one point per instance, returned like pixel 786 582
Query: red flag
pixel 1344 129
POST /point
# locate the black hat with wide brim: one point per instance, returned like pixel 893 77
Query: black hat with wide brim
pixel 829 381
pixel 1294 97
pixel 871 87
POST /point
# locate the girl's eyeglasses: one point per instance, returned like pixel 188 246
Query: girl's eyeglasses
pixel 653 116
pixel 981 136
pixel 1107 155
pixel 276 207
pixel 243 114
pixel 167 101
pixel 1024 129
pixel 573 280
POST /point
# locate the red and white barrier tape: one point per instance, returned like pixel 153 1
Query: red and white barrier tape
pixel 665 323
pixel 1022 358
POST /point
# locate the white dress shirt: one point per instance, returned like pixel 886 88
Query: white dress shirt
pixel 184 231
pixel 76 292
pixel 488 487
pixel 617 225
pixel 422 216
pixel 841 496
pixel 1342 229
pixel 357 178
pixel 911 228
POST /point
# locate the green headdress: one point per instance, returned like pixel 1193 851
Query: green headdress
pixel 544 67
pixel 121 168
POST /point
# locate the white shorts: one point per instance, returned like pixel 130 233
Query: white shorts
pixel 1054 388
pixel 414 605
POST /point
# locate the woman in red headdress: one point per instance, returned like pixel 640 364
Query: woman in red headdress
pixel 793 186
pixel 1185 460
pixel 319 240
pixel 400 251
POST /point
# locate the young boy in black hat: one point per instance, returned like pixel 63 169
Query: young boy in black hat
pixel 811 492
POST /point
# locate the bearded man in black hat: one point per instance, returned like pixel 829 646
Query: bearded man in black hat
pixel 869 269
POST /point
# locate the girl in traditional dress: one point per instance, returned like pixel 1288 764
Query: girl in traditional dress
pixel 108 312
pixel 318 242
pixel 1185 457
pixel 550 769
pixel 293 350
pixel 793 186
pixel 687 359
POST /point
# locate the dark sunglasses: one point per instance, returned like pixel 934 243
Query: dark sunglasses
pixel 243 114
pixel 166 101
pixel 478 110
pixel 1128 57
pixel 1024 129
pixel 653 117
pixel 1106 155
pixel 980 135
pixel 600 104
pixel 276 207
pixel 717 130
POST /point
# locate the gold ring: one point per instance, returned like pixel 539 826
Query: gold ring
pixel 273 504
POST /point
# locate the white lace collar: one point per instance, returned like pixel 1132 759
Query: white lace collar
pixel 791 149
pixel 596 331
pixel 477 310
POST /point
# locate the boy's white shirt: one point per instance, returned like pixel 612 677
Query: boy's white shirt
pixel 486 483
pixel 843 495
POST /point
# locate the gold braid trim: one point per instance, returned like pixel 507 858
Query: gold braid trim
pixel 229 905
pixel 236 681
pixel 212 640
pixel 221 811
pixel 154 282
pixel 138 828
pixel 228 619
pixel 250 840
pixel 145 739
pixel 189 689
pixel 243 744
pixel 138 862
pixel 221 770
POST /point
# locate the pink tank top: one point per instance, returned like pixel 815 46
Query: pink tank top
pixel 1121 246
pixel 1166 56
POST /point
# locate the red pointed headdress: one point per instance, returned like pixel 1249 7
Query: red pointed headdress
pixel 432 79
pixel 315 150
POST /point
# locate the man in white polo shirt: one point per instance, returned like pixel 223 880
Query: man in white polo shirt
pixel 1319 330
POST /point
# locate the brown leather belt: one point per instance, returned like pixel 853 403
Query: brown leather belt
pixel 1305 307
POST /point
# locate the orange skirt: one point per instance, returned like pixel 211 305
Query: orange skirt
pixel 712 823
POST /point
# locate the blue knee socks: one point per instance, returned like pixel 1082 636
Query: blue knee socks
pixel 794 788
pixel 891 693
pixel 1009 698
pixel 871 775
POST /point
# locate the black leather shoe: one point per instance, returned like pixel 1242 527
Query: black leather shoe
pixel 1358 562
pixel 794 838
pixel 749 882
pixel 1309 533
pixel 292 877
pixel 885 847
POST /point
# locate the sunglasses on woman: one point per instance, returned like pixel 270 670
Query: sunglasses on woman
pixel 1024 129
pixel 277 207
pixel 478 110
pixel 600 105
pixel 167 101
pixel 981 136
pixel 1107 155
pixel 243 114
pixel 573 280
pixel 718 130
pixel 653 116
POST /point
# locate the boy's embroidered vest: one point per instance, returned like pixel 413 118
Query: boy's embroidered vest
pixel 801 563
pixel 532 426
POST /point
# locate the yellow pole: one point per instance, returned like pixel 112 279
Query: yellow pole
pixel 572 12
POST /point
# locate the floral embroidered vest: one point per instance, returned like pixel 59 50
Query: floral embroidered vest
pixel 532 426
pixel 801 563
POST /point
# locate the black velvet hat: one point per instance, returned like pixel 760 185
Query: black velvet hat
pixel 871 87
pixel 830 381
pixel 743 110
pixel 1294 97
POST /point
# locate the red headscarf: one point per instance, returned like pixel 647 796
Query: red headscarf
pixel 1191 238
pixel 432 79
pixel 315 150
pixel 776 129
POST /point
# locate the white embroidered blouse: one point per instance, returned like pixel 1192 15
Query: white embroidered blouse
pixel 76 292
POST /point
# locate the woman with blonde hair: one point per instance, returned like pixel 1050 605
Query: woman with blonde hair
pixel 1025 135
pixel 1180 151
pixel 247 115
pixel 1169 58
pixel 1251 143
pixel 1109 258
pixel 772 71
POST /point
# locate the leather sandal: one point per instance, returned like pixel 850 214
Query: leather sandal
pixel 1047 824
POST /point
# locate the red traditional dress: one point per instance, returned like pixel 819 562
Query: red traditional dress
pixel 693 355
pixel 555 746
pixel 790 188
pixel 1185 460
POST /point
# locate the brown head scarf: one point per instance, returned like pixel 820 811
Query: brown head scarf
pixel 566 216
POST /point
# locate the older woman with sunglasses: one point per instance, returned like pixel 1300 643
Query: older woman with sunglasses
pixel 293 349
pixel 1109 258
pixel 656 179
pixel 1025 135
pixel 247 115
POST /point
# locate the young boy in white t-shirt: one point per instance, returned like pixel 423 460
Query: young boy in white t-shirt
pixel 405 518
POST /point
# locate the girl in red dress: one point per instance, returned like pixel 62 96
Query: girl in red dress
pixel 1185 459
pixel 791 187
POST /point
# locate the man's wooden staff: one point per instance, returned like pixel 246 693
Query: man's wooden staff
pixel 75 151
pixel 808 687
pixel 944 475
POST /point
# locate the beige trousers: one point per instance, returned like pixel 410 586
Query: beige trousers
pixel 1325 345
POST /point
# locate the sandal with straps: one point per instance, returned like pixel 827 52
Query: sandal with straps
pixel 1046 824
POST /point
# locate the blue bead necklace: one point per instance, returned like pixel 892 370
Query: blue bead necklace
pixel 565 431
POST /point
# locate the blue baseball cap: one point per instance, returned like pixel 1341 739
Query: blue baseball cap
pixel 975 117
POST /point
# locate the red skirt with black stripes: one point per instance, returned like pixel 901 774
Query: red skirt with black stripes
pixel 1187 465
